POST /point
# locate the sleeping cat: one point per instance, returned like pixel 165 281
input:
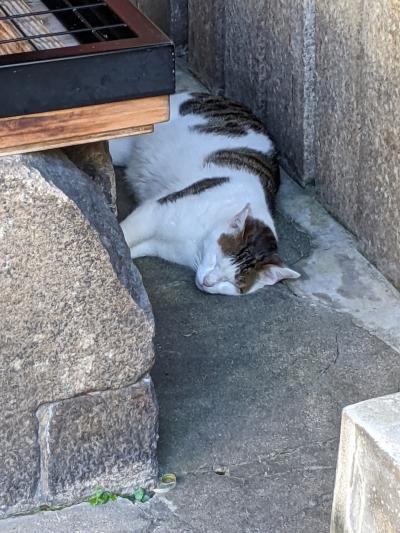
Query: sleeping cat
pixel 206 183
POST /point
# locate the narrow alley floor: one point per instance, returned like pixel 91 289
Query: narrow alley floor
pixel 251 390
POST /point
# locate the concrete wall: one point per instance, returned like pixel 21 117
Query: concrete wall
pixel 358 123
pixel 169 15
pixel 259 53
pixel 206 42
pixel 325 78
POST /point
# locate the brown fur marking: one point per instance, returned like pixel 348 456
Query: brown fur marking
pixel 196 188
pixel 263 165
pixel 253 250
pixel 225 117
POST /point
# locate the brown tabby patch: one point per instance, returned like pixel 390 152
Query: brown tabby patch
pixel 225 117
pixel 262 165
pixel 196 188
pixel 252 251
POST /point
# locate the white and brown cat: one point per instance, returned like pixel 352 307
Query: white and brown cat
pixel 206 183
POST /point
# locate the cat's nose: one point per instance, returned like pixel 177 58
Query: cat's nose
pixel 208 281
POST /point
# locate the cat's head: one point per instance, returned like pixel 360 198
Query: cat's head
pixel 240 258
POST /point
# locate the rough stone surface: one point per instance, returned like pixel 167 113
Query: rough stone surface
pixel 179 23
pixel 75 317
pixel 170 15
pixel 94 159
pixel 368 474
pixel 120 516
pixel 113 435
pixel 358 131
pixel 264 68
pixel 206 42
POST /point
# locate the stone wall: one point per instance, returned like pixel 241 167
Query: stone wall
pixel 358 123
pixel 324 77
pixel 76 327
pixel 170 15
pixel 260 52
pixel 206 42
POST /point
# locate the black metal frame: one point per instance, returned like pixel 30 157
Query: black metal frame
pixel 90 73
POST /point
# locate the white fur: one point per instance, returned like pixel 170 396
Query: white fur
pixel 187 231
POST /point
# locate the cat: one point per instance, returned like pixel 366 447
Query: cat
pixel 206 183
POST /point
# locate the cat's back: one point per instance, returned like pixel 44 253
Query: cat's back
pixel 180 151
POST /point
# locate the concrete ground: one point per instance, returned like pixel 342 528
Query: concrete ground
pixel 256 386
pixel 251 389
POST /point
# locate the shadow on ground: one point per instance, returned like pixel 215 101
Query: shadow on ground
pixel 255 386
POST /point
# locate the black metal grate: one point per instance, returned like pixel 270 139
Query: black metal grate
pixel 74 53
pixel 87 21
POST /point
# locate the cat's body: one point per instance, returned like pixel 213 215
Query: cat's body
pixel 206 183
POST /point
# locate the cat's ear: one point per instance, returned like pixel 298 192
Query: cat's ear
pixel 275 273
pixel 238 221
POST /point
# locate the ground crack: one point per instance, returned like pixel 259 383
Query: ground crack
pixel 206 468
pixel 335 360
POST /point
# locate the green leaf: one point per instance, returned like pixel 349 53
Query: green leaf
pixel 101 497
pixel 93 500
pixel 138 494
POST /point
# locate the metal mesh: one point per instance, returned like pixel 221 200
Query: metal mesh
pixel 83 20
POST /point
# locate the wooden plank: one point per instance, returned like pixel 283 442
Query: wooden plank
pixel 52 23
pixel 81 121
pixel 9 31
pixel 74 141
pixel 35 25
pixel 85 124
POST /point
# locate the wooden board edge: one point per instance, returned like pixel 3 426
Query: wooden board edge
pixel 74 141
pixel 82 122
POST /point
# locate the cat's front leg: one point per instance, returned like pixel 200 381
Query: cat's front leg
pixel 141 224
pixel 144 249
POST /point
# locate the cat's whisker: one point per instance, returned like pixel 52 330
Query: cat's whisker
pixel 197 260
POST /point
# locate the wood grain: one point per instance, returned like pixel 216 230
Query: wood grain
pixel 10 31
pixel 75 141
pixel 51 23
pixel 35 25
pixel 77 126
